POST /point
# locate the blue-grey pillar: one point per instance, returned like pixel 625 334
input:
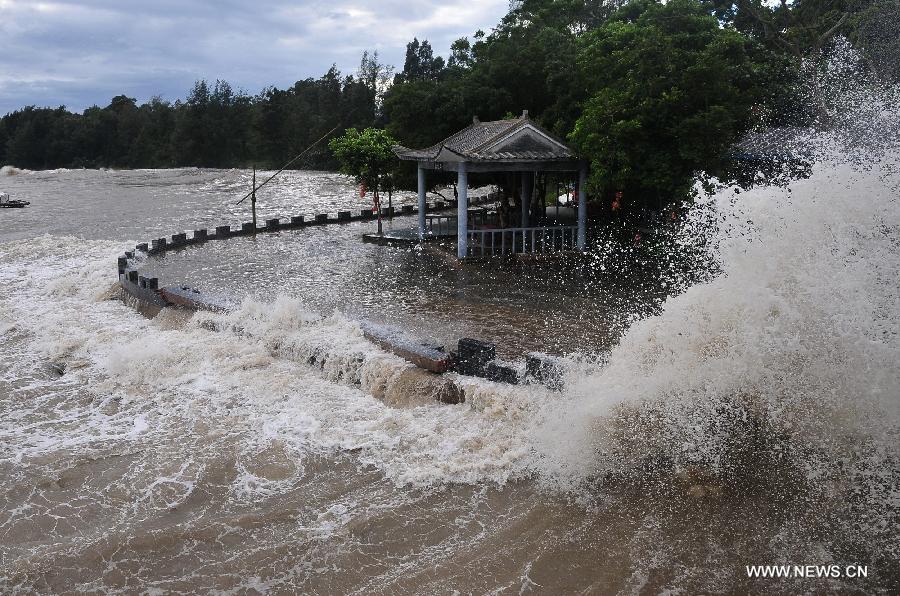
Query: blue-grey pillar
pixel 527 188
pixel 462 212
pixel 421 203
pixel 582 206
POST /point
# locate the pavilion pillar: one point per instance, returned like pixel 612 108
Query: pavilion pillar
pixel 582 206
pixel 421 174
pixel 462 212
pixel 527 188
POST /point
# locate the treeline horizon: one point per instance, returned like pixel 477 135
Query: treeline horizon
pixel 648 92
pixel 213 126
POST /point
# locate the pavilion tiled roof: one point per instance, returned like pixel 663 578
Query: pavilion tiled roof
pixel 498 140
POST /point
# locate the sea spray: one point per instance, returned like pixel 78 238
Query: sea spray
pixel 778 381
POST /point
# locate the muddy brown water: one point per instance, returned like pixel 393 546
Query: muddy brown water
pixel 161 456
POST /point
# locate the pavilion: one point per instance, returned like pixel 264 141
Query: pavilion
pixel 517 145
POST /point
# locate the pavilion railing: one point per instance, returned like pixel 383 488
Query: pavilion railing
pixel 440 225
pixel 445 225
pixel 492 242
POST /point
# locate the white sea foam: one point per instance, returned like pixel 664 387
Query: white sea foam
pixel 273 372
pixel 11 171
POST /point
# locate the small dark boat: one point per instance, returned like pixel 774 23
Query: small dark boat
pixel 8 203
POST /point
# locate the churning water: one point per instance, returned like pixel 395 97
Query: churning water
pixel 752 419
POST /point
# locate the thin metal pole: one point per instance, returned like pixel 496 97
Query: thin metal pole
pixel 253 199
pixel 285 166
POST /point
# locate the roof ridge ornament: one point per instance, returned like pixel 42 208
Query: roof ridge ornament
pixel 524 114
pixel 475 119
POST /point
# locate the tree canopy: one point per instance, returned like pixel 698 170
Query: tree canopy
pixel 214 126
pixel 670 92
pixel 366 155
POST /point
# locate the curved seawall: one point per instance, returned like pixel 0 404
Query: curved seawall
pixel 472 357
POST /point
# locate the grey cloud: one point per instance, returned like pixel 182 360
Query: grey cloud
pixel 82 53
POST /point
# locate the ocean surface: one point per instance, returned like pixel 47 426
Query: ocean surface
pixel 747 418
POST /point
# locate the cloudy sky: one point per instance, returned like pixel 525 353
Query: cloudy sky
pixel 81 53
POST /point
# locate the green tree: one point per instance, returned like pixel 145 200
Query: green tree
pixel 420 62
pixel 460 54
pixel 367 156
pixel 375 76
pixel 670 92
pixel 798 27
pixel 876 33
pixel 153 145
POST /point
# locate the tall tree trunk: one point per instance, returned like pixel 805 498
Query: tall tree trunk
pixel 390 204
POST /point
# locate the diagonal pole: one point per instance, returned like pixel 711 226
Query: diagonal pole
pixel 286 166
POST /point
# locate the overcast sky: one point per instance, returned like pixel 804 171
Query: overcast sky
pixel 81 53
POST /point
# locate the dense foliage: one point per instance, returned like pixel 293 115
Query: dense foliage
pixel 214 126
pixel 670 92
pixel 649 92
pixel 366 155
